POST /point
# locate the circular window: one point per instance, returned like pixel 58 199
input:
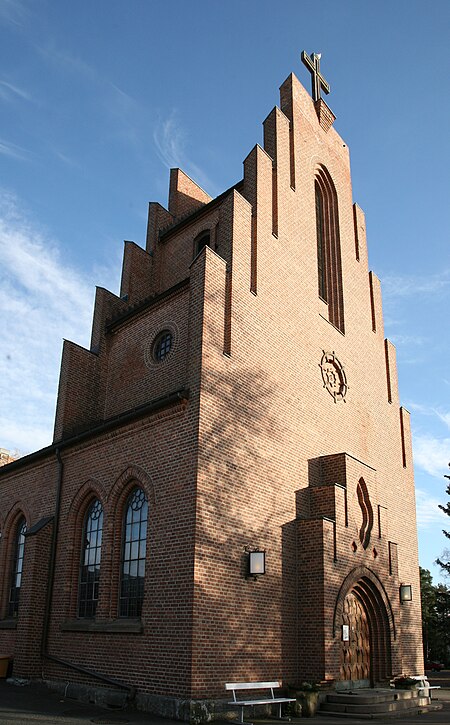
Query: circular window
pixel 162 345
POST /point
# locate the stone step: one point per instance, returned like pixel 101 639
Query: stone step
pixel 368 704
pixel 361 699
pixel 385 707
pixel 369 697
pixel 382 715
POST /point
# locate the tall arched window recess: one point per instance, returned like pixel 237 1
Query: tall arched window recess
pixel 17 566
pixel 91 555
pixel 329 263
pixel 133 554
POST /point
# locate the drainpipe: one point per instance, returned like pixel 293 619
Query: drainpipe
pixel 52 561
pixel 49 597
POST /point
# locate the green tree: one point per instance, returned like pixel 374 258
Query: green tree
pixel 445 563
pixel 435 618
pixel 428 598
pixel 441 631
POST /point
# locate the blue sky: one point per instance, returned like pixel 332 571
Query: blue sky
pixel 99 99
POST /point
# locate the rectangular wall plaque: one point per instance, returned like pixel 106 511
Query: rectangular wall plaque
pixel 345 632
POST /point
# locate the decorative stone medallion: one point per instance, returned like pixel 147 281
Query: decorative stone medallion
pixel 333 376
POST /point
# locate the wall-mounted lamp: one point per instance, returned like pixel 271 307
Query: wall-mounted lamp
pixel 256 563
pixel 405 593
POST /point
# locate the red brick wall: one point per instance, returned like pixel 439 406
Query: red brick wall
pixel 27 653
pixel 133 378
pixel 158 660
pixel 29 493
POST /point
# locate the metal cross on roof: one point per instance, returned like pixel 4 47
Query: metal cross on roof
pixel 318 81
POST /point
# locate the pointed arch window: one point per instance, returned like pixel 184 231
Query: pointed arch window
pixel 133 554
pixel 202 240
pixel 17 566
pixel 329 262
pixel 90 560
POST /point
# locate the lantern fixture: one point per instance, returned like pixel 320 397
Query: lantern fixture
pixel 405 593
pixel 256 563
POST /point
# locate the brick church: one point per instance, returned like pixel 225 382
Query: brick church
pixel 229 495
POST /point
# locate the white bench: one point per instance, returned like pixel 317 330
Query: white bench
pixel 268 686
pixel 423 684
pixel 429 687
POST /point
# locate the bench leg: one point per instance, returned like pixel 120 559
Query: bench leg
pixel 279 710
pixel 241 720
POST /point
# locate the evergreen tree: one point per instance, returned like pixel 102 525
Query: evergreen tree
pixel 445 564
pixel 435 618
pixel 442 632
pixel 428 598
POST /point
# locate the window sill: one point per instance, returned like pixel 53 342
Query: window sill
pixel 130 626
pixel 8 623
pixel 341 332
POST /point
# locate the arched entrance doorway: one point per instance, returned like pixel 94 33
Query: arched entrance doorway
pixel 365 629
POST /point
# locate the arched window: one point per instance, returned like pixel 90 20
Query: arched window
pixel 162 345
pixel 17 565
pixel 329 263
pixel 202 240
pixel 320 245
pixel 133 555
pixel 90 560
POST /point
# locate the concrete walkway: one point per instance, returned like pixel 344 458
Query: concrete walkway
pixel 36 704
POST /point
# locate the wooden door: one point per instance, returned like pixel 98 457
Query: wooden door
pixel 355 654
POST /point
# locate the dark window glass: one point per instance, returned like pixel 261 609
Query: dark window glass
pixel 329 262
pixel 90 560
pixel 163 345
pixel 203 240
pixel 16 576
pixel 320 245
pixel 133 555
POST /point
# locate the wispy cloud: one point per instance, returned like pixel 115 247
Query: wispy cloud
pixel 409 285
pixel 66 60
pixel 403 340
pixel 429 410
pixel 444 417
pixel 13 12
pixel 118 106
pixel 431 454
pixel 428 511
pixel 170 141
pixel 421 408
pixel 8 92
pixel 67 160
pixel 13 151
pixel 42 301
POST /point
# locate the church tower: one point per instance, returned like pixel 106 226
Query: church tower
pixel 238 402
